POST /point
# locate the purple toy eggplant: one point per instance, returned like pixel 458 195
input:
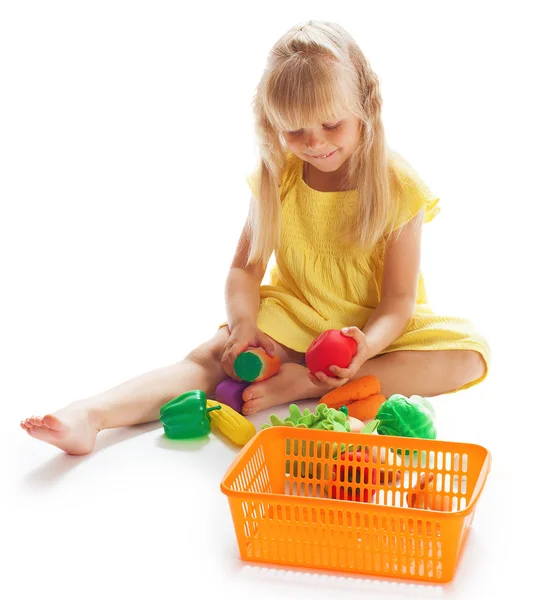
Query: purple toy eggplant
pixel 229 392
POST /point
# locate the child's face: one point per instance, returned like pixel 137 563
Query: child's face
pixel 326 146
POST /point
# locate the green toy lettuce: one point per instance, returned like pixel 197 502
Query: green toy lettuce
pixel 323 418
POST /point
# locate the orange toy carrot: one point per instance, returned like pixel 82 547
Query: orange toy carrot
pixel 254 364
pixel 366 408
pixel 418 497
pixel 357 389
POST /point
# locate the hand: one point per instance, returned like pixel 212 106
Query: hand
pixel 242 336
pixel 343 375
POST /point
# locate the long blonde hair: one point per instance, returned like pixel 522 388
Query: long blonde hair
pixel 314 73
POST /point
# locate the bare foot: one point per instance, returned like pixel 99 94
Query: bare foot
pixel 290 384
pixel 71 429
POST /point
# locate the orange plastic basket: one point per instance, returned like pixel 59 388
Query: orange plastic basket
pixel 377 505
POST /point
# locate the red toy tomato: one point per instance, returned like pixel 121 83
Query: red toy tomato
pixel 353 474
pixel 330 348
pixel 340 494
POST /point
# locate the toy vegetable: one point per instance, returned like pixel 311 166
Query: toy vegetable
pixel 186 416
pixel 323 418
pixel 421 495
pixel 330 348
pixel 232 424
pixel 361 396
pixel 255 364
pixel 408 417
pixel 230 391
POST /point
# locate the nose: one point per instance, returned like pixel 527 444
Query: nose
pixel 315 142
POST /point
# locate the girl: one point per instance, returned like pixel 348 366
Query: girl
pixel 344 216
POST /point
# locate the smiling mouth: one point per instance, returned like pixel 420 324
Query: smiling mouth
pixel 325 155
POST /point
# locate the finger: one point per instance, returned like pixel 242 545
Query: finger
pixel 336 381
pixel 321 377
pixel 326 380
pixel 267 345
pixel 235 351
pixel 227 366
pixel 313 379
pixel 356 363
pixel 341 372
pixel 316 379
pixel 355 333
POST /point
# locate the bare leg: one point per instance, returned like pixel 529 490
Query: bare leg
pixel 74 428
pixel 426 373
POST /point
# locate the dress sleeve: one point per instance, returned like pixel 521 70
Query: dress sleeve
pixel 412 195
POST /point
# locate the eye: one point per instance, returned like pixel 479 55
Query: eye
pixel 298 132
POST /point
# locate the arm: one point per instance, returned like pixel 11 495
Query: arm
pixel 399 288
pixel 242 285
pixel 395 309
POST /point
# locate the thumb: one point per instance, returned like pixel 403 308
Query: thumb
pixel 355 333
pixel 349 331
pixel 266 344
pixel 268 347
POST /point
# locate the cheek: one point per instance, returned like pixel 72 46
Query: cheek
pixel 349 140
pixel 294 145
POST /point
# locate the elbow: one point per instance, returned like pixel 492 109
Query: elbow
pixel 402 305
pixel 408 303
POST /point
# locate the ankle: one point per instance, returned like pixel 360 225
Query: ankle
pixel 94 415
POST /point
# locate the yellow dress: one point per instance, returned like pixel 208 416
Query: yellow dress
pixel 319 283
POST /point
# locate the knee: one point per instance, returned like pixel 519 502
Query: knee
pixel 209 353
pixel 473 366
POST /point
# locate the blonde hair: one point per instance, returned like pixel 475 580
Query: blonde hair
pixel 314 73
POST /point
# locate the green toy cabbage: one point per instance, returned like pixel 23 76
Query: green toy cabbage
pixel 408 417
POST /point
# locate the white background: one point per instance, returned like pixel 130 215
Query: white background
pixel 125 138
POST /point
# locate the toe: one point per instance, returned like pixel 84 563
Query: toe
pixel 255 390
pixel 250 407
pixel 36 421
pixel 23 425
pixel 53 423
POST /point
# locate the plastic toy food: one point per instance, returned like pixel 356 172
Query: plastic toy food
pixel 361 396
pixel 232 424
pixel 420 496
pixel 355 425
pixel 349 472
pixel 323 418
pixel 187 416
pixel 330 348
pixel 408 417
pixel 230 391
pixel 254 364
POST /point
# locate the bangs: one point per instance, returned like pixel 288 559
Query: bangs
pixel 306 92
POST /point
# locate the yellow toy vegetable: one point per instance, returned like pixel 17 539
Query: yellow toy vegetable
pixel 231 423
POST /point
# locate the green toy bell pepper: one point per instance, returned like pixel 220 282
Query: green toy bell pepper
pixel 186 416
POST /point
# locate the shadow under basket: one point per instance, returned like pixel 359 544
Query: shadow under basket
pixel 377 505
